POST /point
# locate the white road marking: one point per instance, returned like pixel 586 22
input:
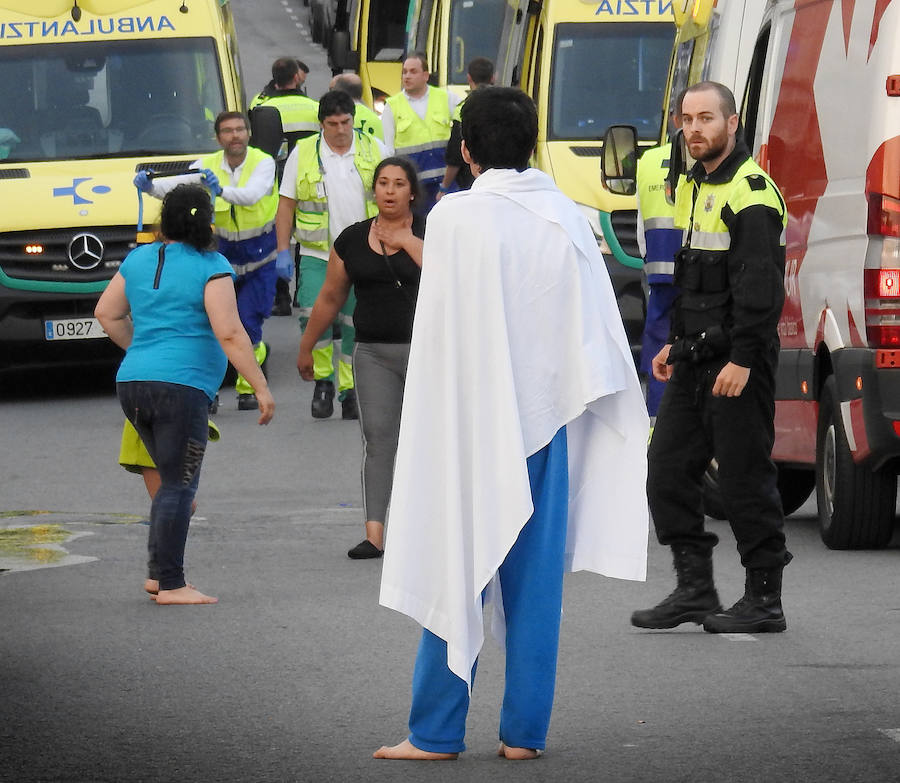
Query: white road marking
pixel 738 637
pixel 893 734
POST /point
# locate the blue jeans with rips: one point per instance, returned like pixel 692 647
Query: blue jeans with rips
pixel 172 422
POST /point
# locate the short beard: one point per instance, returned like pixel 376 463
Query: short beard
pixel 714 152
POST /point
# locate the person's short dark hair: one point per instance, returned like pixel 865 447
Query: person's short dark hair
pixel 346 83
pixel 231 115
pixel 499 127
pixel 187 217
pixel 421 57
pixel 481 70
pixel 303 67
pixel 335 102
pixel 284 69
pixel 726 96
pixel 412 176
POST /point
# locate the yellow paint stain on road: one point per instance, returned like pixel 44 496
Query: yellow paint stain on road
pixel 36 546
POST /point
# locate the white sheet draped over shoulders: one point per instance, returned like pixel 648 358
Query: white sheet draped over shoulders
pixel 516 335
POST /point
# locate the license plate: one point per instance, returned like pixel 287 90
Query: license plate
pixel 73 329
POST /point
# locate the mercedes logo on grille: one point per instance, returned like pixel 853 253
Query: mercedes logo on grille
pixel 85 251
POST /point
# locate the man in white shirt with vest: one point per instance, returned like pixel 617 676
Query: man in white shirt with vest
pixel 417 123
pixel 327 186
pixel 241 179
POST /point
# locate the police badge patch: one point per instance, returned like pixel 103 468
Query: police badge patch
pixel 708 205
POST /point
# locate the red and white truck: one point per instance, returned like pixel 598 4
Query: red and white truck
pixel 821 112
pixel 820 109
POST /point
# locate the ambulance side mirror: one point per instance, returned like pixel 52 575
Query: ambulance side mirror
pixel 340 56
pixel 619 161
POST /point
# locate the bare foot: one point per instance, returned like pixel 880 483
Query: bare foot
pixel 518 754
pixel 152 586
pixel 184 595
pixel 406 750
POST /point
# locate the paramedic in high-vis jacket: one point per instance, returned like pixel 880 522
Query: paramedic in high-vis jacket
pixel 241 180
pixel 719 366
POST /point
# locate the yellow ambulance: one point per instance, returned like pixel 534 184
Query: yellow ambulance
pixel 589 65
pixel 453 32
pixel 370 37
pixel 91 92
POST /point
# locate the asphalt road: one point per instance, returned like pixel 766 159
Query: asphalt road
pixel 298 675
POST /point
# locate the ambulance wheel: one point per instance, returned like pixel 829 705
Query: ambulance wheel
pixel 856 503
pixel 315 20
pixel 795 485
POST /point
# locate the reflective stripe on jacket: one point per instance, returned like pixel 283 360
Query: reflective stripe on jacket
pixel 311 214
pixel 661 238
pixel 705 211
pixel 423 141
pixel 246 233
pixel 299 114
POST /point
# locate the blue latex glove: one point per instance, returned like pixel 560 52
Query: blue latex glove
pixel 142 182
pixel 284 264
pixel 211 181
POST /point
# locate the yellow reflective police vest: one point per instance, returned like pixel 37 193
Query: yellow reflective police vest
pixel 661 239
pixel 237 222
pixel 311 215
pixel 704 210
pixel 423 141
pixel 299 114
pixel 367 121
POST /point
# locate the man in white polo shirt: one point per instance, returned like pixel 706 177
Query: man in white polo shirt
pixel 327 186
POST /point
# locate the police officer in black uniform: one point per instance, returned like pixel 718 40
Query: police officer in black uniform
pixel 719 365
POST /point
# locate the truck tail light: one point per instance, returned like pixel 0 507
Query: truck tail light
pixel 882 305
pixel 884 215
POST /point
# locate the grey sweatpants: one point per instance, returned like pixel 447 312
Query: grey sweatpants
pixel 380 371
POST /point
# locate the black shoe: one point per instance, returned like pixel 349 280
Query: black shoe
pixel 247 402
pixel 214 405
pixel 323 400
pixel 365 550
pixel 693 599
pixel 349 410
pixel 758 611
pixel 282 305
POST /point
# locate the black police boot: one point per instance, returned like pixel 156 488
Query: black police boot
pixel 349 410
pixel 759 611
pixel 323 400
pixel 694 597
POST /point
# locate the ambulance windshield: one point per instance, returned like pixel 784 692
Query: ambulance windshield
pixel 109 99
pixel 476 30
pixel 608 74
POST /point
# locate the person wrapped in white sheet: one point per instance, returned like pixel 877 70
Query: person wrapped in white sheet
pixel 522 449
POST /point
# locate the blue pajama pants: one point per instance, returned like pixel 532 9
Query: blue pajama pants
pixel 531 579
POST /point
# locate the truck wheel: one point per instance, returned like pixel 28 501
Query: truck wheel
pixel 315 21
pixel 856 503
pixel 794 485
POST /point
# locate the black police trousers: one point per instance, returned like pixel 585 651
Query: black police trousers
pixel 692 427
